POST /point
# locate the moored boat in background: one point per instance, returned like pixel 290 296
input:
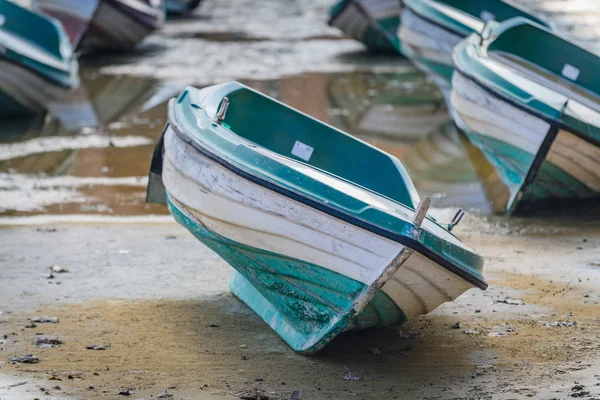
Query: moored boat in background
pixel 179 7
pixel 372 22
pixel 431 29
pixel 120 25
pixel 75 15
pixel 536 118
pixel 37 64
pixel 320 244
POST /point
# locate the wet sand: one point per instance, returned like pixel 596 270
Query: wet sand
pixel 158 300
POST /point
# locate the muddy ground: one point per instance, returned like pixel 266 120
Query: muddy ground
pixel 158 301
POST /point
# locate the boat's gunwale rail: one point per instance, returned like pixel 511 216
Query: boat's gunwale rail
pixel 409 236
pixel 472 51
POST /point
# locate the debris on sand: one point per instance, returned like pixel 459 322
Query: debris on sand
pixel 253 394
pixel 124 252
pixel 296 394
pixel 349 376
pixel 374 350
pixel 560 324
pixel 164 395
pixel 512 302
pixel 409 334
pixel 456 325
pixel 96 347
pixel 58 269
pixel 44 320
pixel 26 359
pixel 125 392
pixel 471 332
pixel 578 391
pixel 501 330
pixel 46 343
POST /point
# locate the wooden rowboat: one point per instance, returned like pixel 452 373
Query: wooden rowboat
pixel 37 65
pixel 431 29
pixel 372 22
pixel 179 7
pixel 323 229
pixel 536 118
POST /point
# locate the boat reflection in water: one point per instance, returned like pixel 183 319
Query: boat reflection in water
pixel 92 162
pixel 403 106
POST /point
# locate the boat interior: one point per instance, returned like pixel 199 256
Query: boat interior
pixel 299 137
pixel 513 49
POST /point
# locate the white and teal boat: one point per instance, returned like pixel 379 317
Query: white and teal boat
pixel 37 65
pixel 431 29
pixel 323 229
pixel 372 22
pixel 530 100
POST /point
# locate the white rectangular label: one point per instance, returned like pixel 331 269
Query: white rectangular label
pixel 570 72
pixel 487 16
pixel 302 150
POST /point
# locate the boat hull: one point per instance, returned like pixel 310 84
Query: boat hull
pixel 75 15
pixel 536 160
pixel 307 274
pixel 429 46
pixel 178 7
pixel 24 92
pixel 373 23
pixel 118 26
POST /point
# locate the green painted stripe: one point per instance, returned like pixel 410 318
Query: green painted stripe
pixel 306 304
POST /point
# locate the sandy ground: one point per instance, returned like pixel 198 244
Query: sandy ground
pixel 158 300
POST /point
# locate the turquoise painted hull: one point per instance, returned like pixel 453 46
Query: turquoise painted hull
pixel 529 185
pixel 307 305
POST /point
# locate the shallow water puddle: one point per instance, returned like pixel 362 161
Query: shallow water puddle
pixel 102 169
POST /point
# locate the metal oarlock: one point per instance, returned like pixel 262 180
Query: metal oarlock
pixel 456 220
